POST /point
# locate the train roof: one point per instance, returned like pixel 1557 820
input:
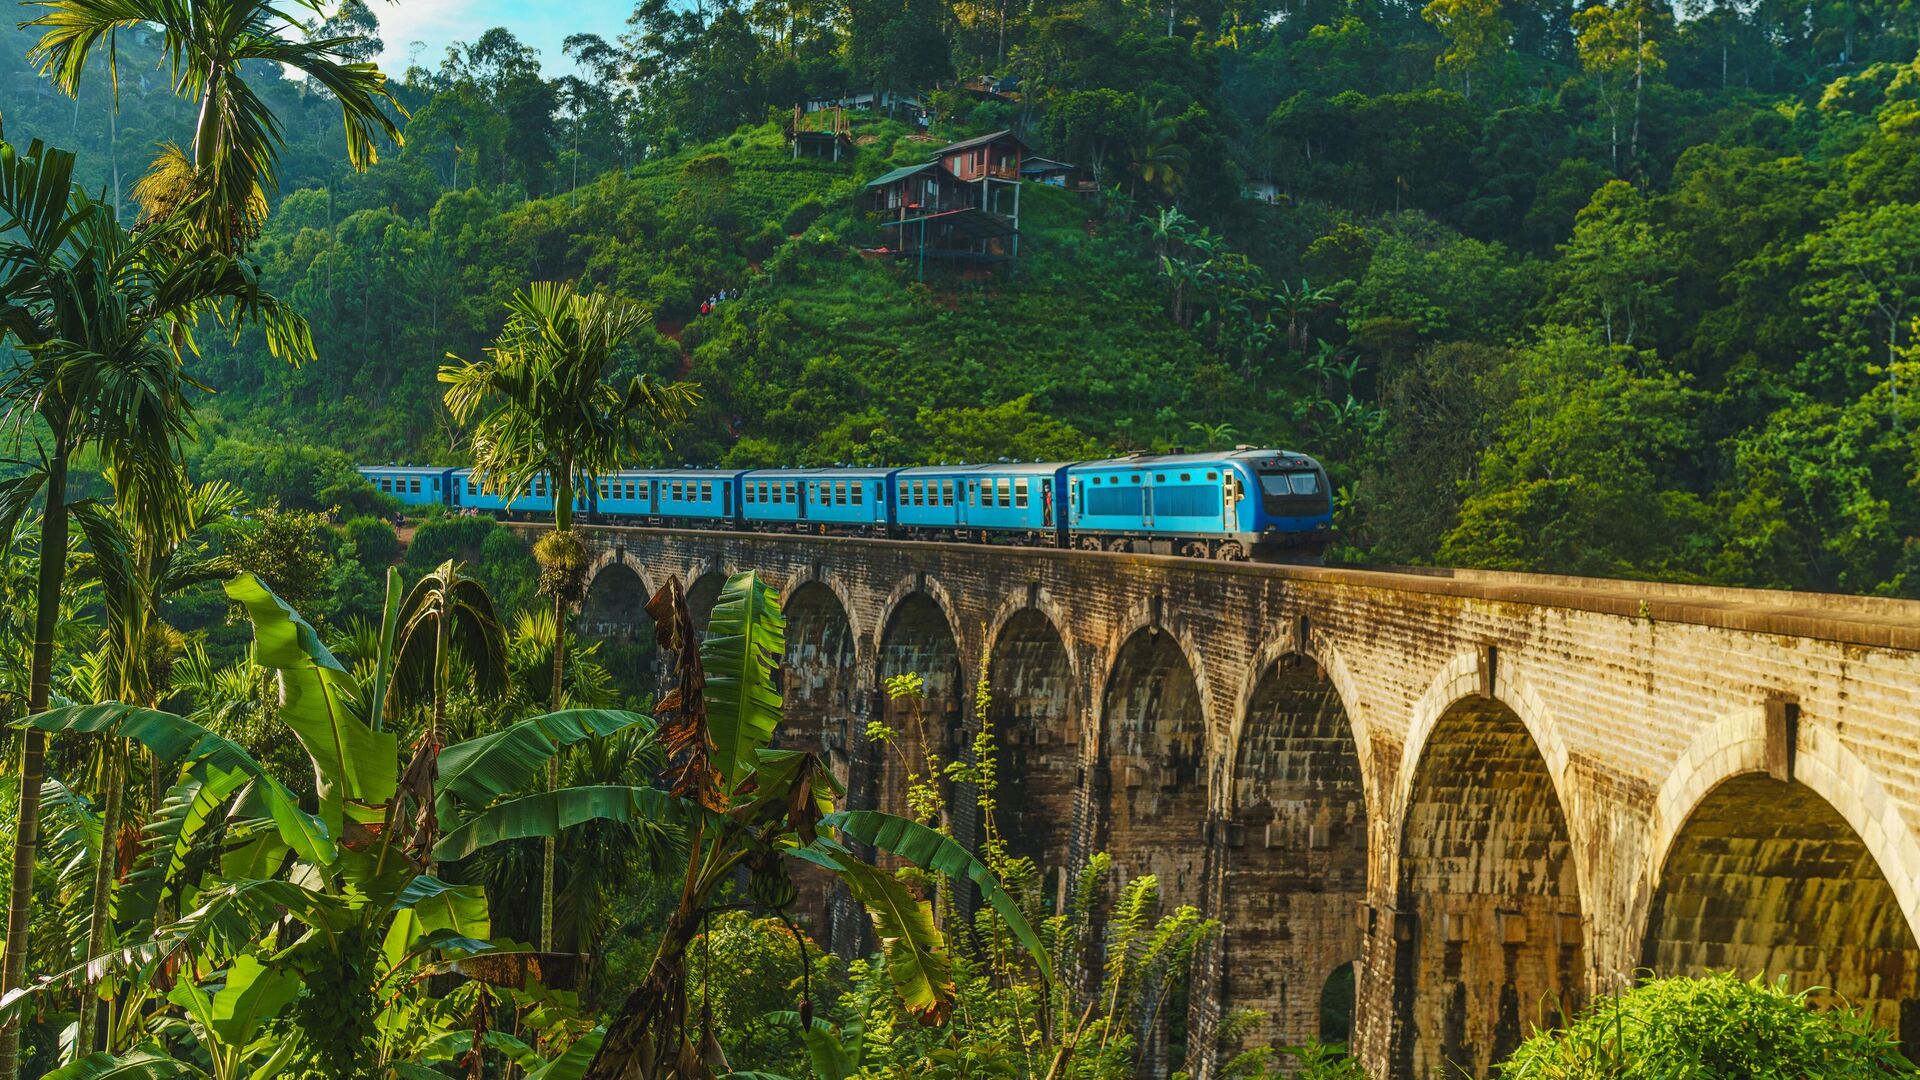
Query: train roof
pixel 1251 456
pixel 402 468
pixel 1024 468
pixel 864 472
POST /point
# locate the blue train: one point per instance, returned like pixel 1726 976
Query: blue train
pixel 1248 504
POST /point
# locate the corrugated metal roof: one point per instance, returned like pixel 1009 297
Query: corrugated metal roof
pixel 964 144
pixel 900 173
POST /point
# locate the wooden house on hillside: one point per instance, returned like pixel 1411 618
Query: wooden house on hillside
pixel 826 133
pixel 961 205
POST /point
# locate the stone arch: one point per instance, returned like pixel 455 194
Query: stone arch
pixel 1153 725
pixel 614 613
pixel 703 591
pixel 1339 995
pixel 1038 723
pixel 1295 854
pixel 1798 878
pixel 819 682
pixel 1492 940
pixel 918 637
pixel 819 675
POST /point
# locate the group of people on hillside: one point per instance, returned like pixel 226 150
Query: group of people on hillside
pixel 721 297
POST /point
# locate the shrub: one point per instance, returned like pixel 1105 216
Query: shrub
pixel 804 213
pixel 375 544
pixel 1717 1026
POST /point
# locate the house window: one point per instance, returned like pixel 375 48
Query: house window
pixel 1020 492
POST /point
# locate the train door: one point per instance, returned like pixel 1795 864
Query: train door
pixel 1231 491
pixel 652 497
pixel 800 499
pixel 1146 502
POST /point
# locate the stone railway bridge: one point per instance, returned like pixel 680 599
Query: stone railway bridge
pixel 1479 798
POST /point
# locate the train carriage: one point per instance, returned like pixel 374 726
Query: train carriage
pixel 413 485
pixel 831 499
pixel 1016 500
pixel 470 493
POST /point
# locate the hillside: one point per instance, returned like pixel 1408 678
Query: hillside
pixel 1539 300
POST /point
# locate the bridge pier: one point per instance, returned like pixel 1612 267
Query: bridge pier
pixel 1492 794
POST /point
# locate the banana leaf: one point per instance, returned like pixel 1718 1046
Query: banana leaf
pixel 930 850
pixel 916 952
pixel 177 741
pixel 747 638
pixel 253 995
pixel 476 772
pixel 549 813
pixel 319 701
pixel 572 1065
pixel 137 1065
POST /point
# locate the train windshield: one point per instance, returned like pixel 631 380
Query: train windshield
pixel 1299 483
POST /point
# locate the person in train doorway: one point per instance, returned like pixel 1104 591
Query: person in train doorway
pixel 1046 503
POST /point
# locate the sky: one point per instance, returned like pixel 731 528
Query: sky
pixel 543 24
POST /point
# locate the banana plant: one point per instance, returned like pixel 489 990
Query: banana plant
pixel 253 918
pixel 738 804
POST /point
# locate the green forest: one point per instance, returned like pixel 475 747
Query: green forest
pixel 1621 291
pixel 305 788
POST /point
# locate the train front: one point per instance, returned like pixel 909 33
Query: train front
pixel 1288 505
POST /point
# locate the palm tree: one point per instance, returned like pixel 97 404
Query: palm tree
pixel 221 185
pixel 1159 159
pixel 445 616
pixel 98 317
pixel 556 414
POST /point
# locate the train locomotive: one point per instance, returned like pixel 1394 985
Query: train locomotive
pixel 1267 505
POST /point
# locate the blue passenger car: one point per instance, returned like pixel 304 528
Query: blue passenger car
pixel 414 485
pixel 700 495
pixel 1009 501
pixel 831 499
pixel 1248 503
pixel 470 493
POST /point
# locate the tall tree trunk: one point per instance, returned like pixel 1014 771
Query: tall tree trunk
pixel 563 525
pixel 33 750
pixel 112 780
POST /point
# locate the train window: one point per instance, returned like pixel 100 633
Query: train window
pixel 750 492
pixel 1210 476
pixel 1006 491
pixel 436 483
pixel 1303 483
pixel 706 490
pixel 416 485
pixel 1096 480
pixel 946 493
pixel 792 492
pixel 1136 478
pixel 859 493
pixel 840 492
pixel 677 489
pixel 1020 492
pixel 471 490
pixel 1184 477
pixel 1159 478
pixel 603 489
